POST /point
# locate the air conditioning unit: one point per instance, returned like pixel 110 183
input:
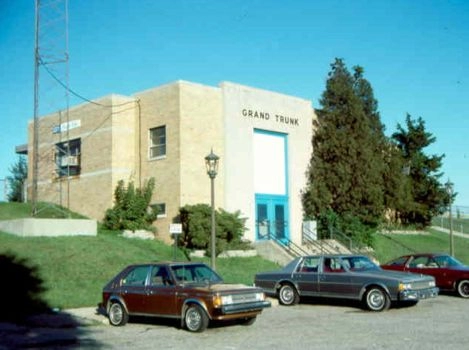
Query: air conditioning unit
pixel 69 161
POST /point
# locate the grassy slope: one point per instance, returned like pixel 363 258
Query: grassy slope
pixel 74 269
pixel 387 249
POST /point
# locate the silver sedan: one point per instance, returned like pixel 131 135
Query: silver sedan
pixel 347 277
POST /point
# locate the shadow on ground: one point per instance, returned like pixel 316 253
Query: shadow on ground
pixel 26 321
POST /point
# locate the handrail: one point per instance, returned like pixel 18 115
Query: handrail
pixel 289 246
pixel 335 235
pixel 342 238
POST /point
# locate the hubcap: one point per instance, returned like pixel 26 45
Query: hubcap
pixel 287 294
pixel 193 319
pixel 376 299
pixel 115 314
pixel 464 289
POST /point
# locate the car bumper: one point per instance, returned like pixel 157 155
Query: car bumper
pixel 244 307
pixel 418 294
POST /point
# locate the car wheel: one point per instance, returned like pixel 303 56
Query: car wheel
pixel 463 288
pixel 196 319
pixel 288 295
pixel 377 299
pixel 118 316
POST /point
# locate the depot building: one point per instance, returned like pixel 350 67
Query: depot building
pixel 262 139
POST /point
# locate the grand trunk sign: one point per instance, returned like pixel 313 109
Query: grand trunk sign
pixel 263 115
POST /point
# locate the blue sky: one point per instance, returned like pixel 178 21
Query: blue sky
pixel 415 55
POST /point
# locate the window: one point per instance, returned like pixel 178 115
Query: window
pixel 158 142
pixel 136 277
pixel 68 158
pixel 332 265
pixel 310 264
pixel 419 262
pixel 160 276
pixel 160 209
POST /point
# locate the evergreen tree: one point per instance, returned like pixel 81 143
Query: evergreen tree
pixel 427 195
pixel 397 184
pixel 16 182
pixel 345 178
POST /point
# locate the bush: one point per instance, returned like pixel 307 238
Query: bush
pixel 348 224
pixel 132 209
pixel 196 227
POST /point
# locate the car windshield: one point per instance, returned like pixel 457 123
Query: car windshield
pixel 355 263
pixel 195 274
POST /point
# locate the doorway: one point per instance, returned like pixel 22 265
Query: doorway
pixel 271 217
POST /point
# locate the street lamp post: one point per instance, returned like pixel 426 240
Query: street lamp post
pixel 449 190
pixel 211 162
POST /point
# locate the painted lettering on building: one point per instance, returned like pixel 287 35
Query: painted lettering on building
pixel 249 113
pixel 256 114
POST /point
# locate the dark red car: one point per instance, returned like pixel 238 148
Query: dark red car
pixel 449 273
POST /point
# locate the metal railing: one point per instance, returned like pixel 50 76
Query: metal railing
pixel 289 246
pixel 336 236
pixel 459 224
pixel 308 239
pixel 265 232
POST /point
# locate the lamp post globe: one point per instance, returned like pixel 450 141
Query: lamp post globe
pixel 211 163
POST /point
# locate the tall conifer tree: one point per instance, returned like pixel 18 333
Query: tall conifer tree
pixel 345 177
pixel 427 195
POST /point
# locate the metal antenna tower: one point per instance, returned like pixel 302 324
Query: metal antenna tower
pixel 51 85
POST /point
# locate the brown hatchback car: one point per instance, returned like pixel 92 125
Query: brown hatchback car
pixel 192 292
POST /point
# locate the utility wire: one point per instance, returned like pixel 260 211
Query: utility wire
pixel 75 93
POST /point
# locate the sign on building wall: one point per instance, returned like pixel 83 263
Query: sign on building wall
pixel 73 124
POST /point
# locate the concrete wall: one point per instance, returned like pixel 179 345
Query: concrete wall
pixel 49 227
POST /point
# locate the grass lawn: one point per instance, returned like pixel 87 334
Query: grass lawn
pixel 74 269
pixel 391 246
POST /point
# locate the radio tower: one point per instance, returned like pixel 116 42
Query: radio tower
pixel 51 81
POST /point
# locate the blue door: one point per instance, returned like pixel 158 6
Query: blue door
pixel 271 217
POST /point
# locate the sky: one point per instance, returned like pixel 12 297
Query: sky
pixel 414 54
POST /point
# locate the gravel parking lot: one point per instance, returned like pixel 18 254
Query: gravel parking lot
pixel 439 323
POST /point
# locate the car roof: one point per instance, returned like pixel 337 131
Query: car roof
pixel 426 254
pixel 334 255
pixel 169 263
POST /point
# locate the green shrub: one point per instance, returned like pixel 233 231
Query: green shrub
pixel 132 210
pixel 349 225
pixel 196 227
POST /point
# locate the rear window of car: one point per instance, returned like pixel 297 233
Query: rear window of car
pixel 398 261
pixel 136 277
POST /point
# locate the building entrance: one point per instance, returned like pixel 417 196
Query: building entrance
pixel 271 218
